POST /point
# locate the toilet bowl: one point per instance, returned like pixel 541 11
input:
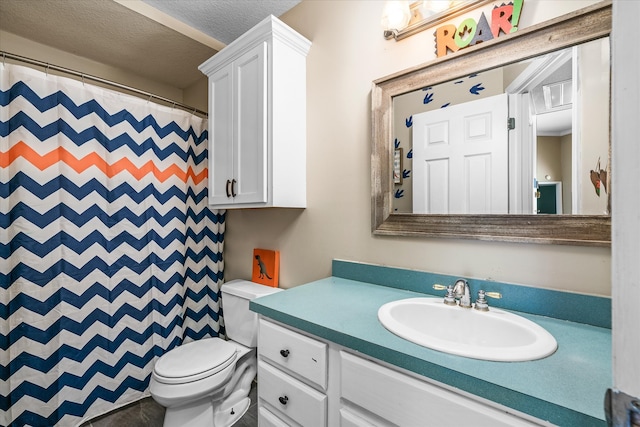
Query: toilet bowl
pixel 207 382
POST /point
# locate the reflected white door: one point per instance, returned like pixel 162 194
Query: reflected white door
pixel 460 158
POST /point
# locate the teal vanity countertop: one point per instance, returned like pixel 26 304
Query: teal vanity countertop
pixel 566 388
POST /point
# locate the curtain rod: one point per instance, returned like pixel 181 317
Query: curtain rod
pixel 7 55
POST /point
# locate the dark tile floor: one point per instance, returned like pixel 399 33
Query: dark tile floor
pixel 147 413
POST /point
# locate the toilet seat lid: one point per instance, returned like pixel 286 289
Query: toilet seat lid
pixel 195 360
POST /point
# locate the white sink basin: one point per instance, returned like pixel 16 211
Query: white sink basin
pixel 495 335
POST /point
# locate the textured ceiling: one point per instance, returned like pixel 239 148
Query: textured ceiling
pixel 114 34
pixel 224 20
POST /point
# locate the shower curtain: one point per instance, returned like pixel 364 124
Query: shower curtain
pixel 109 254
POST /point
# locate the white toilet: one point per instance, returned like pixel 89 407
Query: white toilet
pixel 207 382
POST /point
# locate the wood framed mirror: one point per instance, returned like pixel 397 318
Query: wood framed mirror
pixel 573 29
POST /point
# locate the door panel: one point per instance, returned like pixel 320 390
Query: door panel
pixel 251 159
pixel 473 138
pixel 477 172
pixel 221 138
pixel 547 199
pixel 434 172
pixel 437 181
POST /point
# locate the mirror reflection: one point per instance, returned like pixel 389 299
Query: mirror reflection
pixel 525 138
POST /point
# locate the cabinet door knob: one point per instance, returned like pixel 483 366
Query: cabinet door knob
pixel 284 353
pixel 283 399
pixel 227 188
pixel 233 186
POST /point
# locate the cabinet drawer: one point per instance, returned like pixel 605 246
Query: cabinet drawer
pixel 294 399
pixel 407 401
pixel 297 353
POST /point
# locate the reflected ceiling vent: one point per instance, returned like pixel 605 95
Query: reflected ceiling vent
pixel 557 95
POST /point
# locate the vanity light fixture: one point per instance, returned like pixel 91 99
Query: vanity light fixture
pixel 401 19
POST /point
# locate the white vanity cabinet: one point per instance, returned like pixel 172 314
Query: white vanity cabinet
pixel 257 119
pixel 333 386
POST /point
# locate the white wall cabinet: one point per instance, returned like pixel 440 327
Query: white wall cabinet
pixel 304 380
pixel 237 141
pixel 257 119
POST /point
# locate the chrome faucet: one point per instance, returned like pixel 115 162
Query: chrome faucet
pixel 462 293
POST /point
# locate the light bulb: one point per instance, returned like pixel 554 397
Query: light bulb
pixel 396 15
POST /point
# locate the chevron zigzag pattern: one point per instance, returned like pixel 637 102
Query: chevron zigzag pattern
pixel 109 253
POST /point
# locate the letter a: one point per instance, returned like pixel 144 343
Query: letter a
pixel 483 33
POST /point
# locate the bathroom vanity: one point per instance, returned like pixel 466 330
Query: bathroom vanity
pixel 324 359
pixel 293 368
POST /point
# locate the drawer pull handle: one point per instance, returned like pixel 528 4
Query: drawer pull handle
pixel 283 399
pixel 284 353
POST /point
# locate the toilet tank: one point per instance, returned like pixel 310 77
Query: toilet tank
pixel 241 323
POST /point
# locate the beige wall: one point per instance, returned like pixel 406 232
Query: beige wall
pixel 549 156
pixel 20 46
pixel 347 54
pixel 196 95
pixel 594 137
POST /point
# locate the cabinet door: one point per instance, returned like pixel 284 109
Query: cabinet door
pixel 221 137
pixel 406 401
pixel 250 125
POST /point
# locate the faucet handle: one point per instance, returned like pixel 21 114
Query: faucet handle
pixel 481 301
pixel 450 298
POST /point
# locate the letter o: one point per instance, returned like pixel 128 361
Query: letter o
pixel 468 28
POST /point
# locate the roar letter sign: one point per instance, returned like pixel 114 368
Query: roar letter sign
pixel 504 20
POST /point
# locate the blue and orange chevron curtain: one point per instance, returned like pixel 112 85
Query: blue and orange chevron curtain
pixel 109 255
